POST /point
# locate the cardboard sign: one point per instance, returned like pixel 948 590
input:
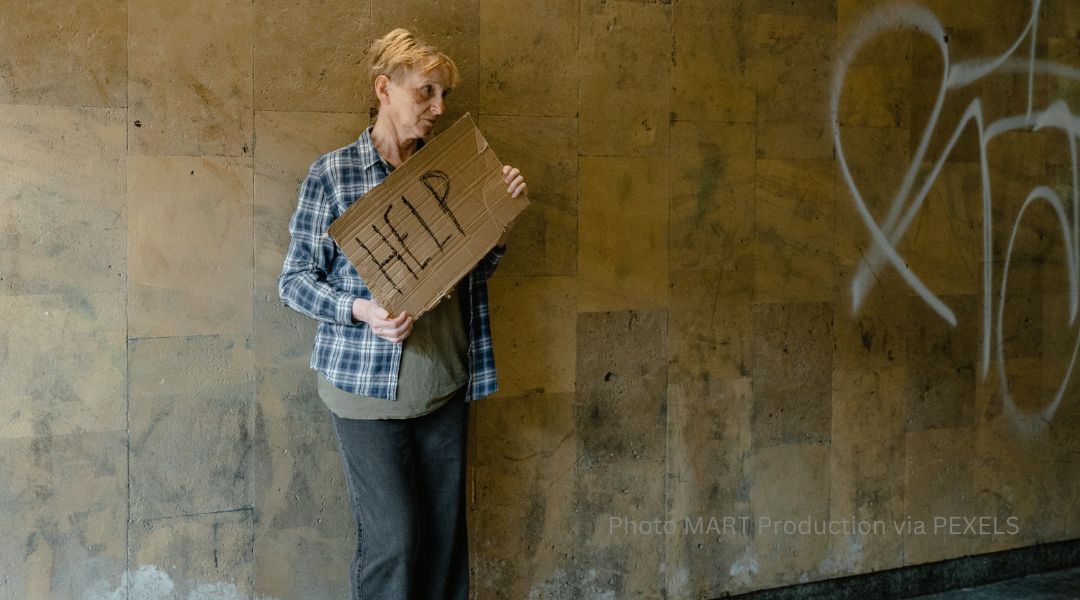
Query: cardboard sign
pixel 415 235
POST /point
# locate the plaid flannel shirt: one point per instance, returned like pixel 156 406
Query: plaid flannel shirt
pixel 318 280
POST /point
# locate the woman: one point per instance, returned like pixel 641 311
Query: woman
pixel 396 388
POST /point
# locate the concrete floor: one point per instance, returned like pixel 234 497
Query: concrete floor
pixel 1057 585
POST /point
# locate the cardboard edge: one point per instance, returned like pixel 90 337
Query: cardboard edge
pixel 486 154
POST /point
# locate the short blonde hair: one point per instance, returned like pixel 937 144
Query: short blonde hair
pixel 400 50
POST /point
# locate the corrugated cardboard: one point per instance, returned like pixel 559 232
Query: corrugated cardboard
pixel 415 235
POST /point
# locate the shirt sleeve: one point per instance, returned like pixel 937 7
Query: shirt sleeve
pixel 302 284
pixel 486 267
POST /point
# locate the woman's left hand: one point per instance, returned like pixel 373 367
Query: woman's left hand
pixel 514 180
pixel 515 183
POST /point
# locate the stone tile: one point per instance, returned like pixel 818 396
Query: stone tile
pixel 288 142
pixel 64 54
pixel 313 58
pixel 1029 312
pixel 712 76
pixel 821 9
pixel 711 324
pixel 1048 272
pixel 528 58
pixel 1057 490
pixel 63 507
pixel 1009 92
pixel 1022 319
pixel 299 482
pixel 794 231
pixel 65 364
pixel 941 365
pixel 874 337
pixel 943 245
pixel 524 493
pixel 618 550
pixel 1059 19
pixel 454 30
pixel 1003 94
pixel 708 486
pixel 283 338
pixel 190 422
pixel 877 160
pixel 525 429
pixel 305 535
pixel 952 14
pixel 849 13
pixel 201 556
pixel 1019 394
pixel 1066 50
pixel 621 402
pixel 1011 476
pixel 939 485
pixel 62 213
pixel 1053 265
pixel 1058 177
pixel 624 78
pixel 877 86
pixel 190 77
pixel 1058 342
pixel 793 357
pixel 283 341
pixel 794 141
pixel 867 473
pixel 926 81
pixel 792 96
pixel 302 563
pixel 545 237
pixel 189 245
pixel 790 484
pixel 292 421
pixel 533 323
pixel 623 224
pixel 1017 165
pixel 988 405
pixel 1006 94
pixel 712 195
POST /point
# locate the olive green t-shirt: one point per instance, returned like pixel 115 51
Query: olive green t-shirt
pixel 432 369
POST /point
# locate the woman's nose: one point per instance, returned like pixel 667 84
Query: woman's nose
pixel 437 106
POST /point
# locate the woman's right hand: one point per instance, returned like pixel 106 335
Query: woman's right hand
pixel 391 329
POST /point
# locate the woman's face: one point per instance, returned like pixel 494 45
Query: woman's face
pixel 414 100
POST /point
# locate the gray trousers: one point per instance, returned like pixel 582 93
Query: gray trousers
pixel 406 486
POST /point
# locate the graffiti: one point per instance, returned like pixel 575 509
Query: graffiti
pixel 913 190
pixel 151 581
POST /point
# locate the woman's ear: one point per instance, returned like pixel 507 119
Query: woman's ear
pixel 382 89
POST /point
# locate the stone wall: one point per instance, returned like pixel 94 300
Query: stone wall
pixel 701 346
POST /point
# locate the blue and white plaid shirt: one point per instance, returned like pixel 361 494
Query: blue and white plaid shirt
pixel 319 281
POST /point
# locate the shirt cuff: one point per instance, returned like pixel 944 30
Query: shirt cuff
pixel 344 309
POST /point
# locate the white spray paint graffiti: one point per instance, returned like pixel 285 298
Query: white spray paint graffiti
pixel 149 582
pixel 743 570
pixel 908 200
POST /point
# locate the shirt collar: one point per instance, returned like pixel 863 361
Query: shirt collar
pixel 369 156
